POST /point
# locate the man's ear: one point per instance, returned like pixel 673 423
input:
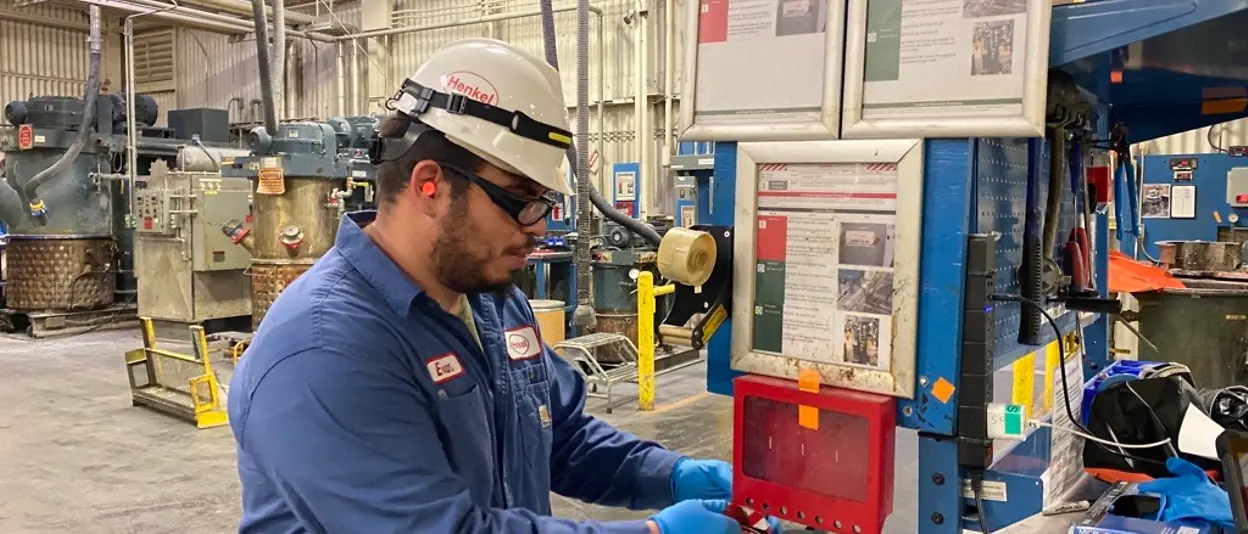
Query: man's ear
pixel 425 186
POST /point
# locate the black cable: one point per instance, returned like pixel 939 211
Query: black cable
pixel 977 488
pixel 1061 353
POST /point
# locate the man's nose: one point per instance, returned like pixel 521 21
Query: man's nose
pixel 537 229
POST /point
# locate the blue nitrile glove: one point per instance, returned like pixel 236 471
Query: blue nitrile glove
pixel 1190 495
pixel 701 479
pixel 696 517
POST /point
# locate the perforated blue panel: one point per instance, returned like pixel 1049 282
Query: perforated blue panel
pixel 1001 205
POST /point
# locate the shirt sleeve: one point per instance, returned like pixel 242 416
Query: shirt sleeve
pixel 351 446
pixel 596 462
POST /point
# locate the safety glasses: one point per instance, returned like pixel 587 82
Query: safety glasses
pixel 526 211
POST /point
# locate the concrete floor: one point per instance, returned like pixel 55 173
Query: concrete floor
pixel 75 456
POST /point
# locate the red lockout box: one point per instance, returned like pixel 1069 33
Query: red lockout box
pixel 824 458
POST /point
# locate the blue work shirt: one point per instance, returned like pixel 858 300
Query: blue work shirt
pixel 363 407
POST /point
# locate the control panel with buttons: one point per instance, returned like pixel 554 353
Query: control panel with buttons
pixel 1237 187
pixel 151 211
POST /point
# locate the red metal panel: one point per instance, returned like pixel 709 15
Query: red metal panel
pixel 835 476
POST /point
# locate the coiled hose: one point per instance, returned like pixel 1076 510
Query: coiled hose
pixel 266 70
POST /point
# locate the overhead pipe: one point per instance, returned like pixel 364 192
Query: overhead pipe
pixel 193 18
pixel 340 72
pixel 641 107
pixel 669 77
pixel 353 105
pixel 465 22
pixel 266 72
pixel 585 191
pixel 242 7
pixel 92 91
pixel 279 60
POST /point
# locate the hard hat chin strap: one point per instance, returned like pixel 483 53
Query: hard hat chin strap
pixel 414 99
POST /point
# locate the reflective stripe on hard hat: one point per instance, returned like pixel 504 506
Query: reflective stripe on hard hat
pixel 414 99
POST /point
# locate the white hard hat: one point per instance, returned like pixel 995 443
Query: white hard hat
pixel 498 102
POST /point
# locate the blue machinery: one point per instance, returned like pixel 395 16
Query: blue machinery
pixel 1184 78
pixel 1193 197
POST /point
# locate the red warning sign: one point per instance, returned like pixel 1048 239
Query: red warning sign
pixel 25 137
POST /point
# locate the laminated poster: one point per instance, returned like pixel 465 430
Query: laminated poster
pixel 782 44
pixel 975 48
pixel 824 257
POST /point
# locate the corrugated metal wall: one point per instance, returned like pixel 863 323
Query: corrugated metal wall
pixel 1197 141
pixel 218 71
pixel 615 57
pixel 42 51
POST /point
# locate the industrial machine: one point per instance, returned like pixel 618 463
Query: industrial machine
pixel 693 165
pixel 1193 210
pixel 70 254
pixel 922 263
pixel 616 262
pixel 189 272
pixel 626 190
pixel 300 183
pixel 355 136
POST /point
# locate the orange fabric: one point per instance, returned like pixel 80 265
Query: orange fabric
pixel 1129 276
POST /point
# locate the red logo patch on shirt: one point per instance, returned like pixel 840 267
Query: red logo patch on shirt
pixel 444 367
pixel 523 343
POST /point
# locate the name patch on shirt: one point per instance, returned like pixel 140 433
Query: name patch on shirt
pixel 522 343
pixel 444 367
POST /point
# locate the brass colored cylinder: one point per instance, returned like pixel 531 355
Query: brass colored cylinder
pixel 60 273
pixel 304 209
pixel 289 233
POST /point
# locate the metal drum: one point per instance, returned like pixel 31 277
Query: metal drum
pixel 290 232
pixel 1201 255
pixel 60 273
pixel 550 319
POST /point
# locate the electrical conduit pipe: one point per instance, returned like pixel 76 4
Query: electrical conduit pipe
pixel 37 208
pixel 586 193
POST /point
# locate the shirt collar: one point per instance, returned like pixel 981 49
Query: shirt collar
pixel 398 290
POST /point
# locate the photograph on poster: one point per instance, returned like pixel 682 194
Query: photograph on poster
pixel 993 48
pixel 867 244
pixel 862 342
pixel 785 46
pixel 975 67
pixel 1155 201
pixel 801 17
pixel 865 291
pixel 973 9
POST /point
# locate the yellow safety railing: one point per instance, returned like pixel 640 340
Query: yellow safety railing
pixel 204 389
pixel 646 293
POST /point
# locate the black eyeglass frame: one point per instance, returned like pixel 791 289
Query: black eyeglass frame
pixel 525 211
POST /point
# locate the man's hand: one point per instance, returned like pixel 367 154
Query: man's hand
pixel 694 517
pixel 701 479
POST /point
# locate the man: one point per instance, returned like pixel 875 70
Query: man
pixel 401 385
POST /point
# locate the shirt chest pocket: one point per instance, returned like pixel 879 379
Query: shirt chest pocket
pixel 469 441
pixel 536 421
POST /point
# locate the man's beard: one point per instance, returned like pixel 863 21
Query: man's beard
pixel 454 263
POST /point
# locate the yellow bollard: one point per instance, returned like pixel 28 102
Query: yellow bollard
pixel 646 293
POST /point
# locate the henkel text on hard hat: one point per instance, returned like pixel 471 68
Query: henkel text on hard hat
pixel 470 85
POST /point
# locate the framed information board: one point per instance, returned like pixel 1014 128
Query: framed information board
pixel 949 68
pixel 827 261
pixel 762 70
